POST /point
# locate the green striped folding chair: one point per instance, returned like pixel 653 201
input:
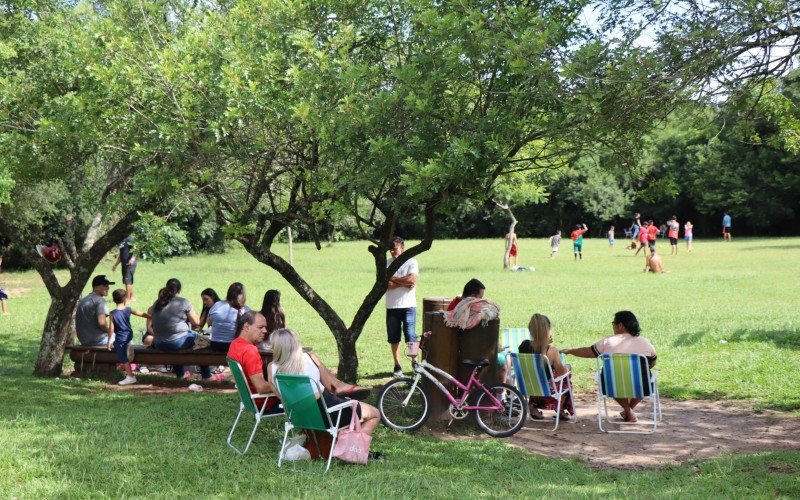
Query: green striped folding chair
pixel 302 409
pixel 513 337
pixel 247 401
pixel 532 379
pixel 626 376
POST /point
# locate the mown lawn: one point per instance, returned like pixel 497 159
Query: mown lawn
pixel 725 322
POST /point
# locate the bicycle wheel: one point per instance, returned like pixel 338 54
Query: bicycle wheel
pixel 501 422
pixel 394 413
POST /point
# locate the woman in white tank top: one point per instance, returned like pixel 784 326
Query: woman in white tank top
pixel 288 357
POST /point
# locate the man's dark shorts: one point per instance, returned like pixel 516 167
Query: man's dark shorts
pixel 127 274
pixel 401 320
pixel 673 241
pixel 726 230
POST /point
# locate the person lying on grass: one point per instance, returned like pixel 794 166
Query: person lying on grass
pixel 541 342
pixel 625 340
pixel 288 357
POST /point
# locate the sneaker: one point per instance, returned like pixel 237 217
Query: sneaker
pixel 398 371
pixel 165 369
pixel 127 381
pixel 144 370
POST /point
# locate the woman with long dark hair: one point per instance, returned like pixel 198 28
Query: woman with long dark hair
pixel 173 318
pixel 625 340
pixel 223 315
pixel 272 310
pixel 208 297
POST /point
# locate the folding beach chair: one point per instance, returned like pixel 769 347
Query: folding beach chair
pixel 626 376
pixel 513 337
pixel 247 401
pixel 302 410
pixel 531 376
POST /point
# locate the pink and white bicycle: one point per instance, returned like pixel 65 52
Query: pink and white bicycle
pixel 499 409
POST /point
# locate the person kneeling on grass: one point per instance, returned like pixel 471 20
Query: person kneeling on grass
pixel 541 342
pixel 288 357
pixel 625 340
pixel 653 263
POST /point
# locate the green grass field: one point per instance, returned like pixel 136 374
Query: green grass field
pixel 725 323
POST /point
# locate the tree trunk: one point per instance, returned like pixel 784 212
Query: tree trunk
pixel 57 332
pixel 511 228
pixel 59 321
pixel 348 358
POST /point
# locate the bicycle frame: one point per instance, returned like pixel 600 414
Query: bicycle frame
pixel 424 369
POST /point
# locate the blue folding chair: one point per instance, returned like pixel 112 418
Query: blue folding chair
pixel 532 379
pixel 626 376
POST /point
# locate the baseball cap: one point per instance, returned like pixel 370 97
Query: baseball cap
pixel 101 279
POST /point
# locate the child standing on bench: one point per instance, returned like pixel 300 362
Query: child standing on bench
pixel 121 317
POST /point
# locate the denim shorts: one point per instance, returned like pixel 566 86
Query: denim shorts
pixel 401 320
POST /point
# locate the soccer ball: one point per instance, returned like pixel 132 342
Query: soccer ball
pixel 51 254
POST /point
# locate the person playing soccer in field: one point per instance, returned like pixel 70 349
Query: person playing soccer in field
pixel 555 240
pixel 726 227
pixel 577 240
pixel 642 239
pixel 687 235
pixel 672 233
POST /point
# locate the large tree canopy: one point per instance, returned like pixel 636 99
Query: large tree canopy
pixel 304 114
pixel 386 113
pixel 91 136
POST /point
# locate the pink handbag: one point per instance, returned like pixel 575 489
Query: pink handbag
pixel 352 444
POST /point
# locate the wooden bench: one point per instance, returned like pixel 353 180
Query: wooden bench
pixel 104 362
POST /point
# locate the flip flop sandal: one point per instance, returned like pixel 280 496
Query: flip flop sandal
pixel 536 416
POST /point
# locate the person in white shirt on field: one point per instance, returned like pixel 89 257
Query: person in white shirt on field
pixel 401 303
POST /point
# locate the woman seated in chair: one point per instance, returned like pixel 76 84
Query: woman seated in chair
pixel 288 357
pixel 625 340
pixel 541 342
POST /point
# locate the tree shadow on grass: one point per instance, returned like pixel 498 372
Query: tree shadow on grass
pixel 773 247
pixel 783 339
pixel 688 339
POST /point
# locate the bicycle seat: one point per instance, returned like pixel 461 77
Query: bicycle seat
pixel 478 364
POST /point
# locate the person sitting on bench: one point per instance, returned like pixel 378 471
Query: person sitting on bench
pixel 172 319
pixel 91 315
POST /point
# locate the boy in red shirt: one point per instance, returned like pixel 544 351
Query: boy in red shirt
pixel 577 240
pixel 652 233
pixel 642 238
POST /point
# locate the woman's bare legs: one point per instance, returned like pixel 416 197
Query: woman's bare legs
pixel 628 405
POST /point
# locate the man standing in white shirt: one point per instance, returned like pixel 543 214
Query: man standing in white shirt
pixel 401 303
